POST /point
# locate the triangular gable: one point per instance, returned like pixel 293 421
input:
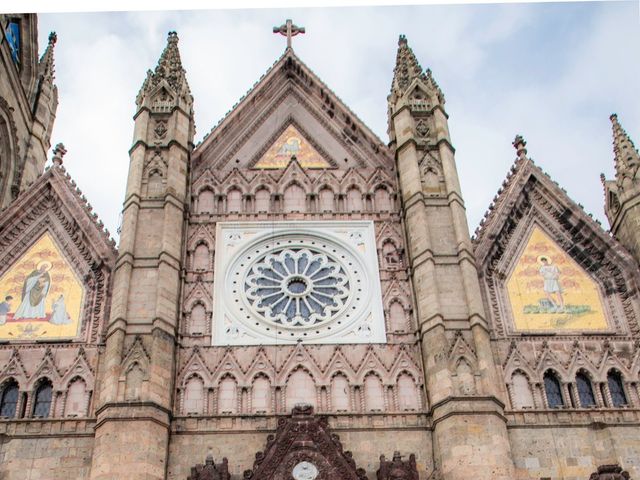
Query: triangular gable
pixel 531 202
pixel 291 144
pixel 55 261
pixel 303 444
pixel 290 94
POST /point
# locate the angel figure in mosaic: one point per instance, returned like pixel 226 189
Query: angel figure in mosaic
pixel 34 293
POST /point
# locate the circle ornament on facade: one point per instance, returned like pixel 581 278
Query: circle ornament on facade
pixel 297 287
pixel 305 471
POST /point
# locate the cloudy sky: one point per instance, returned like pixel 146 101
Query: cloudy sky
pixel 552 72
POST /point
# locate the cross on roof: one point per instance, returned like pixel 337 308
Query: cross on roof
pixel 288 30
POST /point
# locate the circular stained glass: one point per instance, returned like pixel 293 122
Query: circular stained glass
pixel 297 287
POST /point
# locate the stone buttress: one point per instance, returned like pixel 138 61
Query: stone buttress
pixel 469 430
pixel 134 405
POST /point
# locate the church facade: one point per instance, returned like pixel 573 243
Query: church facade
pixel 294 298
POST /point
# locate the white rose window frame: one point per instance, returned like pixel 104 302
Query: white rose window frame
pixel 286 282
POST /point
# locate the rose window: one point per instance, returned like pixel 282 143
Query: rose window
pixel 297 287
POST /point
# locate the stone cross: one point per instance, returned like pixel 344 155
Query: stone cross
pixel 288 30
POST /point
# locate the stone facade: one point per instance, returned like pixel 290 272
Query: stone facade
pixel 452 387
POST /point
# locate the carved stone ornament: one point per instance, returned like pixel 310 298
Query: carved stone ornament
pixel 610 472
pixel 210 471
pixel 397 469
pixel 161 129
pixel 303 448
pixel 422 128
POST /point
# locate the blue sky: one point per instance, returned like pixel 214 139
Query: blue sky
pixel 552 72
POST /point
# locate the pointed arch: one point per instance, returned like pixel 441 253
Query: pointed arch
pixel 373 393
pixel 133 382
pixel 295 198
pixel 340 393
pixel 397 317
pixel 407 392
pixel 42 399
pixel 76 403
pixel 615 384
pixel 521 393
pixel 586 395
pixel 228 395
pixel 382 199
pixel 553 390
pixel 197 324
pixel 301 388
pixel 261 394
pixel 326 199
pixel 354 199
pixel 234 201
pixel 262 200
pixel 194 396
pixel 9 396
pixel 201 257
pixel 206 201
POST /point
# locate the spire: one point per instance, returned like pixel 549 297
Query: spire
pixel 168 70
pixel 407 69
pixel 46 67
pixel 627 159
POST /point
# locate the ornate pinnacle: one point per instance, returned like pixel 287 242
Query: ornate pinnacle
pixel 58 152
pixel 519 143
pixel 169 69
pixel 407 69
pixel 627 159
pixel 46 66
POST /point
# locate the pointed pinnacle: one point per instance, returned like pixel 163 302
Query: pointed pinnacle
pixel 58 152
pixel 46 66
pixel 627 159
pixel 407 67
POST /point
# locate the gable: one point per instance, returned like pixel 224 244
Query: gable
pixel 595 287
pixel 290 95
pixel 549 291
pixel 56 262
pixel 289 145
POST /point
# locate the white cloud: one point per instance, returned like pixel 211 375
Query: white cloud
pixel 492 90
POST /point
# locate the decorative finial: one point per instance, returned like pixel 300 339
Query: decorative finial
pixel 519 143
pixel 58 152
pixel 172 37
pixel 402 40
pixel 603 179
pixel 53 38
pixel 288 29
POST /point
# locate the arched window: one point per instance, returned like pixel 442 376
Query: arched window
pixel 133 383
pixel 76 403
pixel 397 317
pixel 201 257
pixel 155 187
pixel 294 199
pixel 198 320
pixel 261 399
pixel 383 202
pixel 522 395
pixel 616 388
pixel 42 403
pixel 585 391
pixel 553 390
pixel 326 200
pixel 354 200
pixel 408 398
pixel 234 201
pixel 9 400
pixel 262 200
pixel 194 396
pixel 227 396
pixel 206 201
pixel 300 389
pixel 373 394
pixel 340 394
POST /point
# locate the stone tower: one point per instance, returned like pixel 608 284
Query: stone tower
pixel 28 104
pixel 136 395
pixel 445 281
pixel 622 195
